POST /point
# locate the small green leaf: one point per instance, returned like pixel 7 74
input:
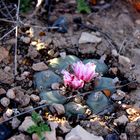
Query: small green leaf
pixel 44 127
pixel 36 117
pixel 32 129
pixel 82 6
pixel 40 126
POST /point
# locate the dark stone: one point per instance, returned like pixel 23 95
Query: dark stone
pixel 61 23
pixel 5 132
pixel 112 137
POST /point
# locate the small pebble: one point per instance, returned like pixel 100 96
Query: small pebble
pixel 9 112
pixel 130 128
pixel 59 108
pixel 35 98
pixel 33 43
pixel 123 136
pixel 7 69
pixel 120 92
pixel 2 91
pixel 115 80
pixel 124 61
pixel 112 137
pixel 114 53
pixel 122 120
pixel 42 102
pixel 137 21
pixel 26 39
pixel 4 53
pixel 39 66
pixel 78 99
pixel 63 55
pixel 23 99
pixel 15 123
pixel 118 96
pixel 51 52
pixel 60 138
pixel 113 70
pixel 55 86
pixel 56 54
pixel 11 94
pixel 20 136
pixel 27 123
pixel 5 101
pixel 119 102
pixel 25 74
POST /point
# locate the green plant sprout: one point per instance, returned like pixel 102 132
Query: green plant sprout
pixel 83 7
pixel 39 126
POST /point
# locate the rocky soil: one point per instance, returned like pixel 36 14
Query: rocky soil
pixel 105 109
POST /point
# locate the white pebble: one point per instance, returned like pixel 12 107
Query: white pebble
pixel 137 21
pixel 26 39
pixel 124 61
pixel 123 136
pixel 9 112
pixel 114 53
pixel 63 55
pixel 11 94
pixel 115 80
pixel 39 66
pixel 25 74
pixel 7 69
pixel 5 101
pixel 122 120
pixel 35 98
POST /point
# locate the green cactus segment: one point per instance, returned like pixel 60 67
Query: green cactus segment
pixel 73 108
pixel 59 64
pixel 43 80
pixel 97 102
pixel 53 97
pixel 104 83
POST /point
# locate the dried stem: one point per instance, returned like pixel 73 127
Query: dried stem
pixel 86 93
pixel 6 20
pixel 7 10
pixel 23 113
pixel 16 36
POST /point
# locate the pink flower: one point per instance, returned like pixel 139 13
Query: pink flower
pixel 84 72
pixel 71 80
